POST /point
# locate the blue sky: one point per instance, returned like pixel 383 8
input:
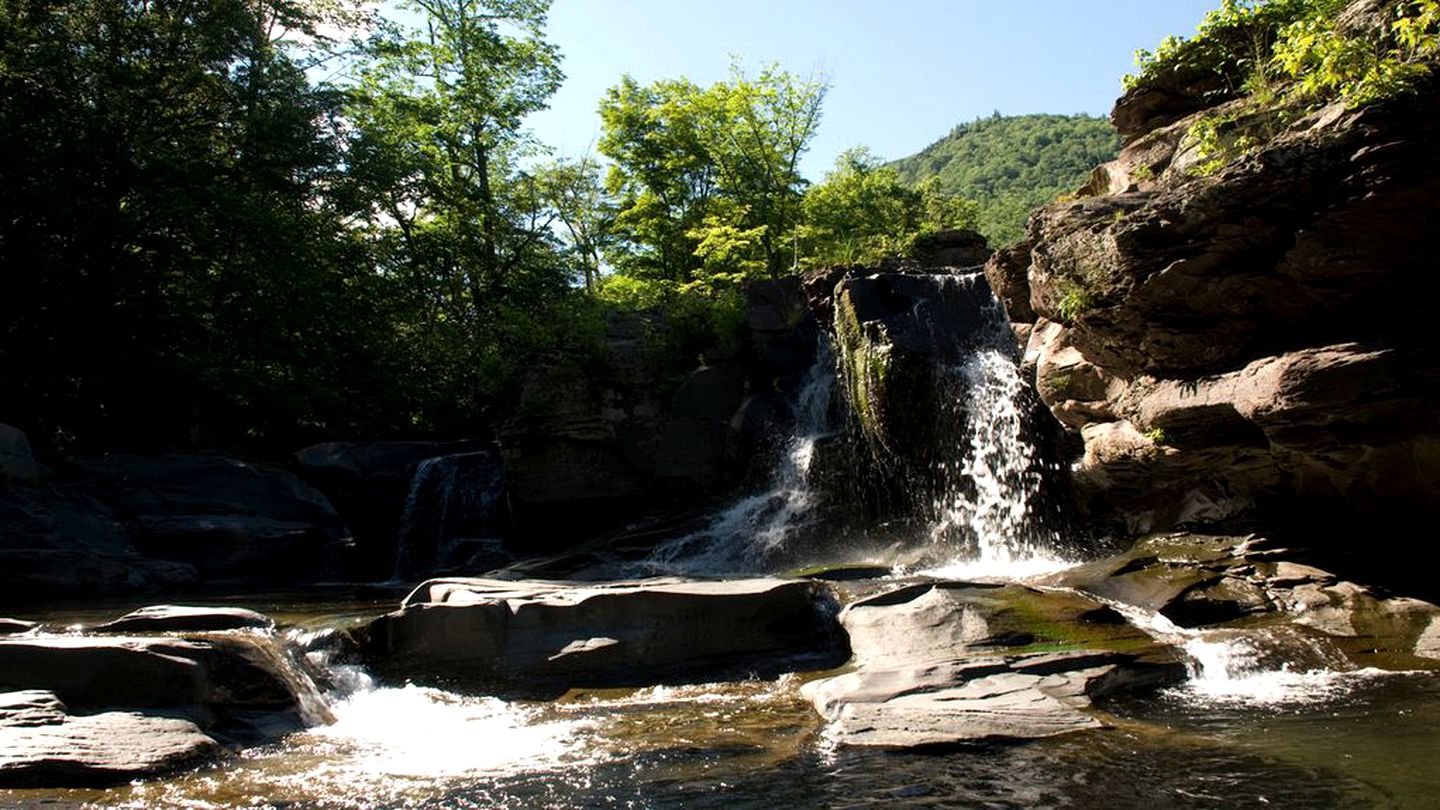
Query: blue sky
pixel 902 72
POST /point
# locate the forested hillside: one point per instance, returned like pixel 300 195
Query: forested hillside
pixel 1011 164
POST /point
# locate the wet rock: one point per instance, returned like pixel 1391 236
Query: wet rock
pixel 16 461
pixel 1215 581
pixel 896 334
pixel 541 637
pixel 236 685
pixel 43 745
pixel 186 619
pixel 952 662
pixel 10 627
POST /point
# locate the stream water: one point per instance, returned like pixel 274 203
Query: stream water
pixel 1244 731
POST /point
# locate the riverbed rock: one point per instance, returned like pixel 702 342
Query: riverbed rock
pixel 1210 582
pixel 43 745
pixel 186 619
pixel 10 627
pixel 944 662
pixel 535 637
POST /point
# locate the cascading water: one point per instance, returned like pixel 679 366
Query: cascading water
pixel 749 532
pixel 985 518
pixel 449 516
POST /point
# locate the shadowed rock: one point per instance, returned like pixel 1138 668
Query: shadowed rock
pixel 543 637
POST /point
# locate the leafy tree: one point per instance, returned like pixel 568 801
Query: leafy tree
pixel 862 212
pixel 708 178
pixel 173 270
pixel 434 183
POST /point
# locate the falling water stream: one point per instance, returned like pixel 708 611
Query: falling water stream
pixel 1265 720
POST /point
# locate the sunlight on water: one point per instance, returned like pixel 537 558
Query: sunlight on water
pixel 999 570
pixel 1235 671
pixel 417 731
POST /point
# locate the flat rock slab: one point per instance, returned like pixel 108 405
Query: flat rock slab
pixel 537 637
pixel 43 745
pixel 185 619
pixel 10 627
pixel 942 663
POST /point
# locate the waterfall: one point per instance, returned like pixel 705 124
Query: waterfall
pixel 985 517
pixel 450 516
pixel 745 535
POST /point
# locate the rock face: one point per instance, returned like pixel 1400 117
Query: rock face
pixel 124 524
pixel 897 334
pixel 941 662
pixel 598 441
pixel 78 711
pixel 540 638
pixel 1250 339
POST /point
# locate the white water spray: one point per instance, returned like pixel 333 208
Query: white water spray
pixel 751 531
pixel 991 490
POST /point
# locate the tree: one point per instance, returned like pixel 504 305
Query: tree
pixel 862 212
pixel 165 167
pixel 574 191
pixel 435 184
pixel 708 175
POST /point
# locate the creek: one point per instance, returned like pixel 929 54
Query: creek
pixel 1267 715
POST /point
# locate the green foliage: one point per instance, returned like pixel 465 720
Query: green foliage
pixel 1287 56
pixel 707 179
pixel 1075 300
pixel 862 213
pixel 1283 58
pixel 1011 165
pixel 1157 436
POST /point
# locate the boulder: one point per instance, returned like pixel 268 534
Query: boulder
pixel 43 745
pixel 951 248
pixel 186 619
pixel 16 461
pixel 943 662
pixel 897 334
pixel 539 638
pixel 1007 272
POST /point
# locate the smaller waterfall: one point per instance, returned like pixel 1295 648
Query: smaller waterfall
pixel 749 532
pixel 450 515
pixel 1264 666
